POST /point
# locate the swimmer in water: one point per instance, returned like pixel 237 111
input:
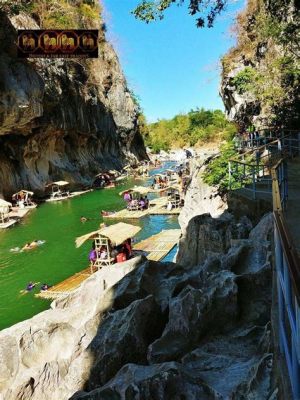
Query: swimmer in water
pixel 30 286
pixel 44 287
pixel 83 219
pixel 30 246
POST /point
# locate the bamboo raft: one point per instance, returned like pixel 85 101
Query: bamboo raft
pixel 159 245
pixel 11 222
pixel 70 196
pixel 67 286
pixel 156 207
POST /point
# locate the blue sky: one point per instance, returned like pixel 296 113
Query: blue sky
pixel 170 64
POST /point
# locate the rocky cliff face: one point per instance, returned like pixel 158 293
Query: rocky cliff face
pixel 260 75
pixel 165 331
pixel 62 118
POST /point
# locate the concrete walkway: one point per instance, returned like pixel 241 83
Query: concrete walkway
pixel 292 213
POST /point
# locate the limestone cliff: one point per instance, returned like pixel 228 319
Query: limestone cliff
pixel 62 118
pixel 260 75
pixel 146 330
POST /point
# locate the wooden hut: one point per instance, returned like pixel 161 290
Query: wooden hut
pixel 106 238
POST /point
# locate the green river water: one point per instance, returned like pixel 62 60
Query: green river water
pixel 58 224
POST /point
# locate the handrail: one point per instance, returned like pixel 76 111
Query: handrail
pixel 291 254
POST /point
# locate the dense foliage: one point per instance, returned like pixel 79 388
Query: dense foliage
pixel 57 14
pixel 206 11
pixel 216 172
pixel 269 45
pixel 189 129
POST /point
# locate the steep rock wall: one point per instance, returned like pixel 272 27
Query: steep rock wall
pixel 62 118
pixel 164 331
pixel 260 75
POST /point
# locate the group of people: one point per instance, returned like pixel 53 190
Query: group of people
pixel 117 254
pixel 136 204
pixel 160 182
pixel 104 180
pixel 31 285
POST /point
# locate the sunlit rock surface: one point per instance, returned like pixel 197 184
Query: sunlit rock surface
pixel 62 118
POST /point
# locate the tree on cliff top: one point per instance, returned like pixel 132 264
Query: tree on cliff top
pixel 206 11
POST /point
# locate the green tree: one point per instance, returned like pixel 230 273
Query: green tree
pixel 205 11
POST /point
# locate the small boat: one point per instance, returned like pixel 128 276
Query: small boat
pixel 57 193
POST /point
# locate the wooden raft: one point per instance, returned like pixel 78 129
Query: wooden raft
pixel 67 286
pixel 156 207
pixel 159 245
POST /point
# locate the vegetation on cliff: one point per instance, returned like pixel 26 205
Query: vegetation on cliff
pixel 264 66
pixel 195 127
pixel 54 14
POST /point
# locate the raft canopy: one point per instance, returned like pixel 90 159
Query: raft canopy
pixel 4 210
pixel 137 189
pixel 24 191
pixel 116 233
pixel 110 172
pixel 58 183
pixel 4 204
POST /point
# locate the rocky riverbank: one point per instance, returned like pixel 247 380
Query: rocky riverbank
pixel 195 329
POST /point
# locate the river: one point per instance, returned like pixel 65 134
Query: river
pixel 58 224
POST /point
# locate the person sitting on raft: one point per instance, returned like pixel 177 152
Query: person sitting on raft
pixel 146 202
pixel 142 203
pixel 44 287
pixel 127 197
pixel 30 286
pixel 92 256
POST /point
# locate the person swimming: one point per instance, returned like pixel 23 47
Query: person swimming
pixel 30 286
pixel 30 246
pixel 34 244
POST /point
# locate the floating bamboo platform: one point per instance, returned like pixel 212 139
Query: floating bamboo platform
pixel 67 286
pixel 70 196
pixel 8 224
pixel 156 207
pixel 19 212
pixel 159 245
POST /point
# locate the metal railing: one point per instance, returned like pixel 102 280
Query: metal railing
pixel 287 264
pixel 251 170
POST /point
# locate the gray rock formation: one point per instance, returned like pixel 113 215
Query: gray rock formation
pixel 196 329
pixel 62 118
pixel 214 342
pixel 267 48
pixel 48 356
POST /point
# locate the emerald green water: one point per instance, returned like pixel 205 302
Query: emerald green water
pixel 58 224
